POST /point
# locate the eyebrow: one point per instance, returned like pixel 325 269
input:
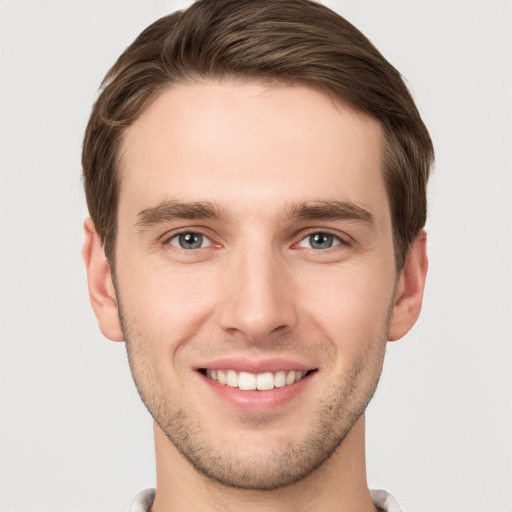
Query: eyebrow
pixel 330 210
pixel 310 210
pixel 172 210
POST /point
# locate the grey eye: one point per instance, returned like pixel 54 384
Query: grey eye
pixel 320 241
pixel 189 241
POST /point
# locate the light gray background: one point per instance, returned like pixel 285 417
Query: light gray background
pixel 74 434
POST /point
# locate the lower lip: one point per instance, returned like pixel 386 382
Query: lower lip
pixel 257 401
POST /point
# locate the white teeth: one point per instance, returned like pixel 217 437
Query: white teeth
pixel 280 379
pixel 221 376
pixel 250 381
pixel 265 381
pixel 247 381
pixel 232 378
pixel 290 378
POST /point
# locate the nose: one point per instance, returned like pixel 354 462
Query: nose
pixel 258 299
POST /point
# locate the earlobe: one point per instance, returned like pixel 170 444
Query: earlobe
pixel 101 289
pixel 409 290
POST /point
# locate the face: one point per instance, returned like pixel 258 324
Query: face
pixel 255 274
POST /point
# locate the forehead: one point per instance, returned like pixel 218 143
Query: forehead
pixel 250 147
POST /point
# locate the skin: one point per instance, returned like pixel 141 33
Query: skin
pixel 256 171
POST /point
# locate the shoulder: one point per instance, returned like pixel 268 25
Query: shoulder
pixel 381 499
pixel 143 501
pixel 384 501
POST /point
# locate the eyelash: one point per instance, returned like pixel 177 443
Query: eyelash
pixel 337 239
pixel 167 240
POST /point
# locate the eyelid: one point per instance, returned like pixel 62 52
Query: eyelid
pixel 336 242
pixel 174 233
pixel 342 238
pixel 177 236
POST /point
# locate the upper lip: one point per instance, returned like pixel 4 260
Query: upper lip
pixel 242 364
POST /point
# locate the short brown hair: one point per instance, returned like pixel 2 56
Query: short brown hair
pixel 275 41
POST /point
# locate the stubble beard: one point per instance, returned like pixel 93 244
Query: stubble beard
pixel 339 409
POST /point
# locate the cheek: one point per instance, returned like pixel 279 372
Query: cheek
pixel 349 305
pixel 163 304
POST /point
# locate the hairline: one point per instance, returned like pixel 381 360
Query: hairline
pixel 198 79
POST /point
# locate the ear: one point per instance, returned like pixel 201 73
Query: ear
pixel 101 288
pixel 409 290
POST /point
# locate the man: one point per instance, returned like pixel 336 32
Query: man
pixel 256 176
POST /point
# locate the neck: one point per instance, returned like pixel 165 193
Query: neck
pixel 338 484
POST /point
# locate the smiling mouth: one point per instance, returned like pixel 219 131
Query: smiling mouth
pixel 251 381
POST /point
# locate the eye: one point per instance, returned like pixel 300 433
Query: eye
pixel 189 240
pixel 320 240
